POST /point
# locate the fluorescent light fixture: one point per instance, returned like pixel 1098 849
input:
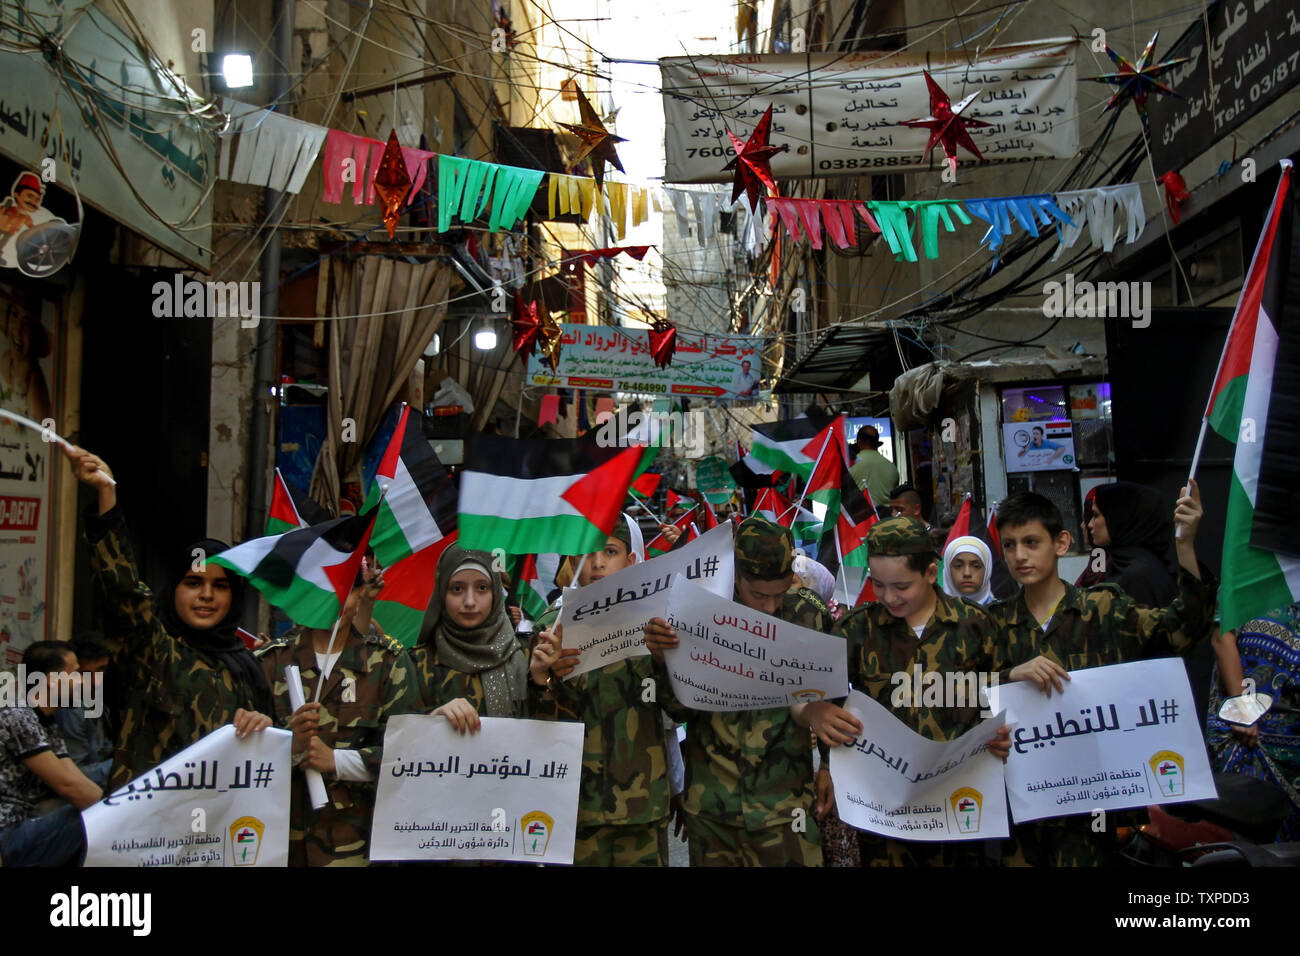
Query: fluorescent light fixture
pixel 485 339
pixel 237 70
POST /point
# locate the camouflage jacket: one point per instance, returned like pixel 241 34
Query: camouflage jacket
pixel 624 756
pixel 175 694
pixel 959 638
pixel 1102 625
pixel 370 682
pixel 439 683
pixel 749 769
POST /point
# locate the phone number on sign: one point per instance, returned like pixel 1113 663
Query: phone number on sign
pixel 865 162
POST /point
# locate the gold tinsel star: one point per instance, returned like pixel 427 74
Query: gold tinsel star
pixel 598 142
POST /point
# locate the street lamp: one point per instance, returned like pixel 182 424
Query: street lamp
pixel 237 70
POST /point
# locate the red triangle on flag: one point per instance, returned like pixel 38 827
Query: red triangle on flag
pixel 388 464
pixel 344 574
pixel 994 539
pixel 282 506
pixel 598 495
pixel 960 527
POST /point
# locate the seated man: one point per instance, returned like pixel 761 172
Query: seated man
pixel 85 730
pixel 34 766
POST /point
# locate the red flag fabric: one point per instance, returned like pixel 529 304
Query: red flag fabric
pixel 960 527
pixel 645 485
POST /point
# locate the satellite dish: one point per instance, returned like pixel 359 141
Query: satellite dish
pixel 46 248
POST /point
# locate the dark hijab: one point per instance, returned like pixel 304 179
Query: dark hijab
pixel 220 641
pixel 1141 531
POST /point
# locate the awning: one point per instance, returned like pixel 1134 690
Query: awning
pixel 839 359
pixel 917 392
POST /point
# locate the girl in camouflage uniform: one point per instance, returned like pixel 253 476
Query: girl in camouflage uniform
pixel 186 670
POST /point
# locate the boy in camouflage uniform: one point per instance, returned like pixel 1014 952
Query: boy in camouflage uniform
pixel 342 735
pixel 623 802
pixel 956 636
pixel 749 797
pixel 1052 627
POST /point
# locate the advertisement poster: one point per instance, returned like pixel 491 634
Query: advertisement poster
pixel 854 104
pixel 27 363
pixel 1038 446
pixel 609 359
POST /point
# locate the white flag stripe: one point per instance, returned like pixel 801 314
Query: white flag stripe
pixel 408 507
pixel 515 498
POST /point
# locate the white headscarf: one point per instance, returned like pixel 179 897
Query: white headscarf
pixel 815 576
pixel 636 539
pixel 967 544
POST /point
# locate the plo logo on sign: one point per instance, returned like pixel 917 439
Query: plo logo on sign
pixel 537 828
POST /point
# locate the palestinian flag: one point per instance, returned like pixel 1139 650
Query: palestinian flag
pixel 674 499
pixel 790 445
pixel 291 510
pixel 707 516
pixel 528 588
pixel 645 485
pixel 847 521
pixel 416 522
pixel 1254 580
pixel 530 496
pixel 995 540
pixel 307 572
pixel 777 508
pixel 660 545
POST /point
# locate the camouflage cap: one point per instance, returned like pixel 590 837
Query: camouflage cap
pixel 764 550
pixel 899 536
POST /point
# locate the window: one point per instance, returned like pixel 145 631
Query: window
pixel 1087 407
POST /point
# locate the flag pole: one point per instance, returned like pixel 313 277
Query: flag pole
pixel 658 520
pixel 329 650
pixel 1196 461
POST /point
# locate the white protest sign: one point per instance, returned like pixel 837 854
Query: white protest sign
pixel 606 619
pixel 220 802
pixel 733 658
pixel 1121 736
pixel 508 792
pixel 894 782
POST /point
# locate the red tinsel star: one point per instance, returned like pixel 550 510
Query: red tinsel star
pixel 598 142
pixel 527 326
pixel 663 342
pixel 753 162
pixel 946 124
pixel 1137 81
pixel 392 183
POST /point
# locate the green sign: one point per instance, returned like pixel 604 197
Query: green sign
pixel 714 480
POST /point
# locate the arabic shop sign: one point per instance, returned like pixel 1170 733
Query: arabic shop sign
pixel 1253 55
pixel 852 107
pixel 608 359
pixel 117 97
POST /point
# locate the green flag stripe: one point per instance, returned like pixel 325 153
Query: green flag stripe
pixel 1226 416
pixel 399 622
pixel 562 534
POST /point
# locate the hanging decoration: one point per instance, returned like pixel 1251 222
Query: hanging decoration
pixel 570 195
pixel 268 149
pixel 1100 209
pixel 526 326
pixel 464 186
pixel 1029 211
pixel 598 142
pixel 363 156
pixel 946 124
pixel 897 230
pixel 663 342
pixel 840 217
pixel 1137 81
pixel 392 183
pixel 592 256
pixel 1175 193
pixel 549 411
pixel 549 336
pixel 753 161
